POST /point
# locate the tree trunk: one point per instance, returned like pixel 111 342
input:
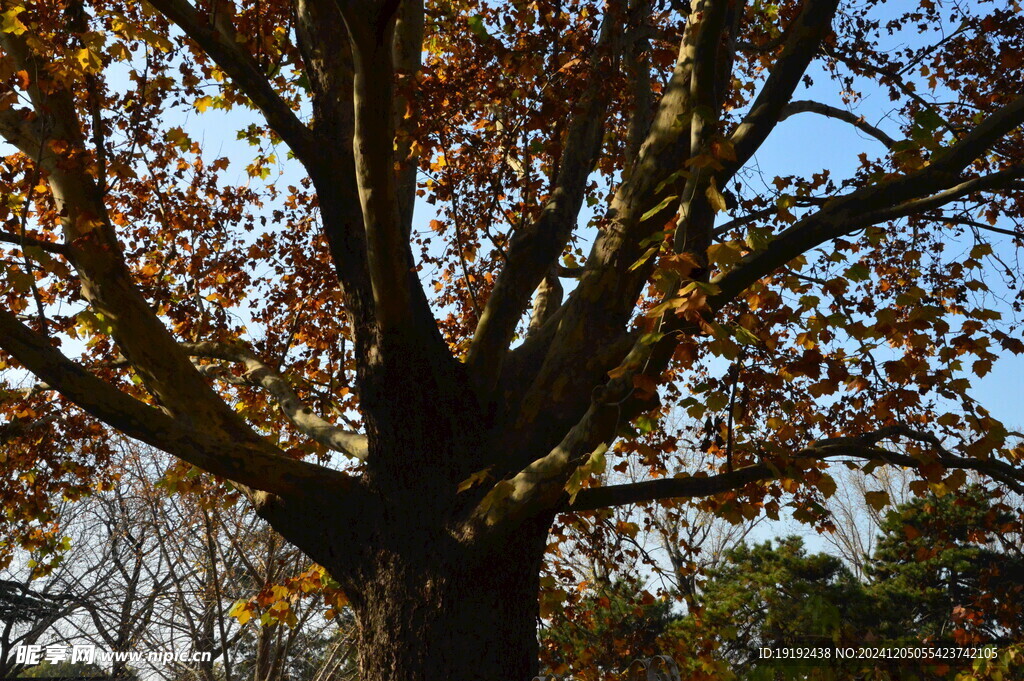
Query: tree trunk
pixel 430 605
pixel 435 597
pixel 465 620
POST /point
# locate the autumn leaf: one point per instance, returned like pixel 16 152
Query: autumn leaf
pixel 241 611
pixel 724 254
pixel 10 23
pixel 203 103
pixel 475 479
pixel 877 500
pixel 715 198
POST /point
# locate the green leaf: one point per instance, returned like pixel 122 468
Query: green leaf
pixel 476 24
pixel 669 180
pixel 746 337
pixel 928 120
pixel 660 207
pixel 644 258
pixel 858 272
pixel 827 485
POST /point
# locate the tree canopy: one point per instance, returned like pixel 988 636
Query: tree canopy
pixel 475 264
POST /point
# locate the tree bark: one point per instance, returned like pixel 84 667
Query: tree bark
pixel 430 615
pixel 432 603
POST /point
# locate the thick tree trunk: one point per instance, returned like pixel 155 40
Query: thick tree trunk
pixel 466 619
pixel 431 603
pixel 436 597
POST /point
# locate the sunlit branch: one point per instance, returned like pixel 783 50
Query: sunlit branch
pixel 532 251
pixel 371 28
pixel 260 374
pixel 864 447
pixel 932 187
pixel 251 462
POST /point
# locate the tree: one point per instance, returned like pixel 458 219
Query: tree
pixel 34 612
pixel 779 596
pixel 252 328
pixel 948 569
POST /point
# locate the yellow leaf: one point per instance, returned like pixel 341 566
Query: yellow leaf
pixel 240 611
pixel 89 59
pixel 10 23
pixel 715 198
pixel 724 255
pixel 203 103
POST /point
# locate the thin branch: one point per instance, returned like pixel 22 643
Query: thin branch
pixel 952 220
pixel 862 447
pixel 220 44
pixel 807 106
pixel 29 242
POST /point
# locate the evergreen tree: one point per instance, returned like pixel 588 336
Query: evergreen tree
pixel 940 571
pixel 779 595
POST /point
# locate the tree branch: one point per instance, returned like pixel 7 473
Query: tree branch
pixel 407 51
pixel 805 37
pixel 249 461
pixel 537 485
pixel 862 447
pixel 1002 179
pixel 389 258
pixel 29 242
pixel 258 373
pixel 954 220
pixel 807 106
pixel 220 44
pixel 93 248
pixel 711 69
pixel 541 484
pixel 928 188
pixel 532 251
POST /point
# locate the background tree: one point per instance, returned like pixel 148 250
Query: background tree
pixel 612 626
pixel 196 556
pixel 950 568
pixel 778 596
pixel 966 590
pixel 252 328
pixel 63 670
